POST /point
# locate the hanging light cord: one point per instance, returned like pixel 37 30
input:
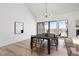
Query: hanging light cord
pixel 46 10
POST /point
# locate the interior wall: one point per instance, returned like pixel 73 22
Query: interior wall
pixel 71 17
pixel 9 13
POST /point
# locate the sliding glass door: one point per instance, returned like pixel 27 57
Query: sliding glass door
pixel 63 28
pixel 46 26
pixel 40 28
pixel 54 27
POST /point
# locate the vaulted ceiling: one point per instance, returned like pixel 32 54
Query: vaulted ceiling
pixel 38 9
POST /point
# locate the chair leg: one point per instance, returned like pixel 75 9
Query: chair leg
pixel 31 51
pixel 56 46
pixel 39 52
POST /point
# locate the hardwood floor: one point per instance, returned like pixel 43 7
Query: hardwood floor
pixel 23 49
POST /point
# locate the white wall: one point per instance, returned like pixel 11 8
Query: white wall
pixel 9 13
pixel 71 17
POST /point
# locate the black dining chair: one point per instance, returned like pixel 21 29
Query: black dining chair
pixel 54 42
pixel 58 35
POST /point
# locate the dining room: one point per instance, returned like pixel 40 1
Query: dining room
pixel 26 32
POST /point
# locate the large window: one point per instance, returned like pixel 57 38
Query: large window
pixel 55 27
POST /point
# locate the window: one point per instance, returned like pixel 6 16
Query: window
pixel 55 27
pixel 46 26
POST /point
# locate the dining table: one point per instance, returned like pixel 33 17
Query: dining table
pixel 44 37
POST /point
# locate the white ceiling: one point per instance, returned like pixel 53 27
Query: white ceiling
pixel 38 9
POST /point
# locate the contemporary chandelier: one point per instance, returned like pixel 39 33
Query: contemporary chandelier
pixel 46 14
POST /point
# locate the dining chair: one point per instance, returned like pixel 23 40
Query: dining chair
pixel 58 35
pixel 54 42
pixel 37 45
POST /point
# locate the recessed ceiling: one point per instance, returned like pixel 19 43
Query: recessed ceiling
pixel 38 9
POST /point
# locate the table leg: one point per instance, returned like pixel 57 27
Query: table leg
pixel 31 44
pixel 48 46
pixel 57 44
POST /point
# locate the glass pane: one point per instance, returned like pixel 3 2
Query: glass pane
pixel 40 28
pixel 53 27
pixel 63 28
pixel 46 26
pixel 62 25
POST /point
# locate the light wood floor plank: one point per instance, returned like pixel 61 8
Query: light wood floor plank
pixel 23 49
